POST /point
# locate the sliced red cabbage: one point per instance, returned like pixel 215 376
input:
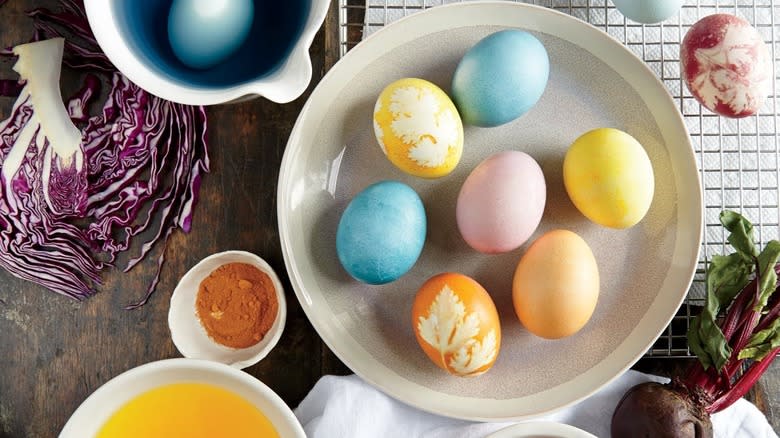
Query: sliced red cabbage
pixel 78 105
pixel 69 207
pixel 138 132
pixel 43 181
pixel 62 172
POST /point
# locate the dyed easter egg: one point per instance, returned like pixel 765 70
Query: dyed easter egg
pixel 648 11
pixel 381 233
pixel 203 33
pixel 501 202
pixel 609 177
pixel 556 285
pixel 418 128
pixel 500 78
pixel 456 324
pixel 726 65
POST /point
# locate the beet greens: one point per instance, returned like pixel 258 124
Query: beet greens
pixel 735 338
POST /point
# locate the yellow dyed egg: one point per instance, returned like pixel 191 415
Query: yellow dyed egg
pixel 556 285
pixel 418 128
pixel 609 178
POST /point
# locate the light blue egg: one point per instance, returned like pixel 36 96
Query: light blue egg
pixel 203 33
pixel 500 78
pixel 648 11
pixel 381 233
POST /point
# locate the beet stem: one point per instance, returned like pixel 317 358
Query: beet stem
pixel 743 383
pixel 751 321
pixel 746 328
pixel 736 310
pixel 706 380
pixel 774 311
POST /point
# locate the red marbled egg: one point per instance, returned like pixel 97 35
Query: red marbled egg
pixel 726 65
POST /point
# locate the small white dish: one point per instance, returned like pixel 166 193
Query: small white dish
pixel 190 336
pixel 88 418
pixel 540 429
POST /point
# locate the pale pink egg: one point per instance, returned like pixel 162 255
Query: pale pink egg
pixel 726 65
pixel 501 202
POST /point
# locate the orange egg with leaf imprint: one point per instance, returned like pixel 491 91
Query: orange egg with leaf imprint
pixel 456 323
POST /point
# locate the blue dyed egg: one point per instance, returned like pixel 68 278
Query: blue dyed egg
pixel 203 33
pixel 500 78
pixel 648 11
pixel 381 233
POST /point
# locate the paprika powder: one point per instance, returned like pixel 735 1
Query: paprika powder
pixel 237 305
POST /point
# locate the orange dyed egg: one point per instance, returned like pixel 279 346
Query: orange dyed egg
pixel 556 285
pixel 456 324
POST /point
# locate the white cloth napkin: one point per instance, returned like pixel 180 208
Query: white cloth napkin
pixel 346 407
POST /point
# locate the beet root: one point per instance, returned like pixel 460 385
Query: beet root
pixel 655 410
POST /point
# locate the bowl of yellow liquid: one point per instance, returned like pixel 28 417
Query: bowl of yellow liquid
pixel 183 398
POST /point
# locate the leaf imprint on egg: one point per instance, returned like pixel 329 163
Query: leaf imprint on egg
pixel 453 333
pixel 419 120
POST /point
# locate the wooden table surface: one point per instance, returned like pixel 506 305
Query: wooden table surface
pixel 54 352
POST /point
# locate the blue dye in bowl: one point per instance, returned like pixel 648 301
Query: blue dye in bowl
pixel 276 27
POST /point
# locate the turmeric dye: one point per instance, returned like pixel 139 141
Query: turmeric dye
pixel 192 410
pixel 237 305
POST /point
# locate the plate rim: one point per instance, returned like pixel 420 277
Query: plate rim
pixel 407 396
pixel 536 428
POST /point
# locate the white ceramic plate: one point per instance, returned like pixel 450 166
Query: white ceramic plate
pixel 645 271
pixel 87 420
pixel 540 430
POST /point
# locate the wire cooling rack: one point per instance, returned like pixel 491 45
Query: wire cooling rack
pixel 739 160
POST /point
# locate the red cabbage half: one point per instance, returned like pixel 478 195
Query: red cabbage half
pixel 69 207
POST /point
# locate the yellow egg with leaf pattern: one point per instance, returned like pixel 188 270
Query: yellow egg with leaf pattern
pixel 418 128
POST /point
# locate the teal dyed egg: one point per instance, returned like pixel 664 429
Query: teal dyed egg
pixel 500 78
pixel 381 233
pixel 648 11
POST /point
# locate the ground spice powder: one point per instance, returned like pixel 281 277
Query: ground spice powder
pixel 237 305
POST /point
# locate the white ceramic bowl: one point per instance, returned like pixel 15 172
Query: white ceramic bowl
pixel 188 333
pixel 119 41
pixel 98 407
pixel 540 429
